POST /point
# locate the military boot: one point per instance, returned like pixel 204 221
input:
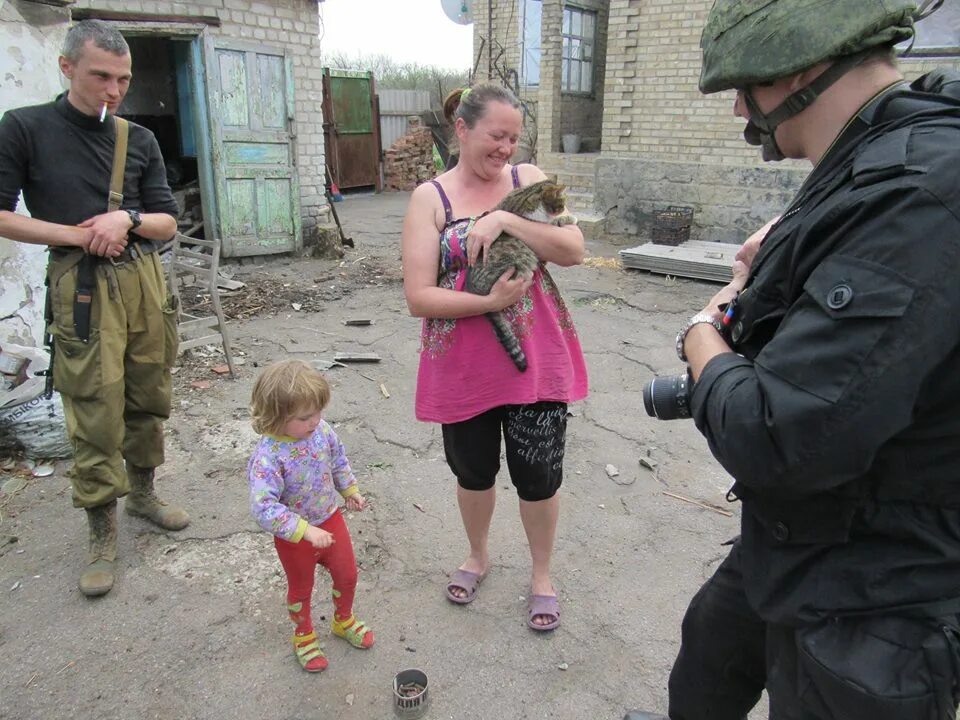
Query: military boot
pixel 97 579
pixel 143 501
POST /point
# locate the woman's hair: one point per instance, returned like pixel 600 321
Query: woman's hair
pixel 284 389
pixel 471 103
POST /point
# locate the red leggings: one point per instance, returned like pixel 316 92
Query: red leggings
pixel 300 561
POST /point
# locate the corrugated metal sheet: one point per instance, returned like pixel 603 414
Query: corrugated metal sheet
pixel 403 102
pixel 395 107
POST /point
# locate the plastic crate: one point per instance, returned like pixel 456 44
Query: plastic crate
pixel 672 226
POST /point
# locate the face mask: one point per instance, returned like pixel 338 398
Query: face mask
pixel 766 140
pixel 762 126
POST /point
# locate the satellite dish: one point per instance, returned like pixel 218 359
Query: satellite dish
pixel 458 10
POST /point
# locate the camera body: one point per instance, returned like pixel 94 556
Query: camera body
pixel 668 397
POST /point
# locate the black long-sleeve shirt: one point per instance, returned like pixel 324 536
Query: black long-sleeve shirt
pixel 62 159
pixel 839 417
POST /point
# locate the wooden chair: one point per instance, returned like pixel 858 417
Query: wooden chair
pixel 199 259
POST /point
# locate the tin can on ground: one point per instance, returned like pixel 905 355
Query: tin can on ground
pixel 410 693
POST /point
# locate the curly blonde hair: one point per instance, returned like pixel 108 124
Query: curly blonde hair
pixel 284 389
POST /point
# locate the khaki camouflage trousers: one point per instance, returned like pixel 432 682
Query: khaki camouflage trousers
pixel 116 387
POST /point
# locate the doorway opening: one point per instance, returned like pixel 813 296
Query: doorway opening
pixel 161 99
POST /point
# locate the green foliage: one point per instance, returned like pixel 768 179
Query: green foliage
pixel 393 75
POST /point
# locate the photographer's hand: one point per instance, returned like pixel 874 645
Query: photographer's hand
pixel 703 342
pixel 741 270
pixel 748 251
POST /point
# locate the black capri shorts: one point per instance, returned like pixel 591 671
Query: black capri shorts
pixel 535 437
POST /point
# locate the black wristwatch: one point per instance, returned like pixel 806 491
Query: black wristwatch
pixel 135 219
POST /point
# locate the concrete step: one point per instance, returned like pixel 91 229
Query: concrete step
pixel 591 225
pixel 580 201
pixel 574 180
pixel 575 175
pixel 581 162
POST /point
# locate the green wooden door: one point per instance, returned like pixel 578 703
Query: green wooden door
pixel 352 128
pixel 253 154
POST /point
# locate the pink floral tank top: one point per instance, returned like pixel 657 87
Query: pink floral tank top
pixel 464 371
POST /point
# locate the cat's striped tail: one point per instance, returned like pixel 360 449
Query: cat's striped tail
pixel 508 339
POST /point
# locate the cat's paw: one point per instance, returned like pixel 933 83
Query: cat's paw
pixel 565 219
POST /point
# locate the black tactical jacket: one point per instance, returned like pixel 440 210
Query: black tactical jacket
pixel 839 418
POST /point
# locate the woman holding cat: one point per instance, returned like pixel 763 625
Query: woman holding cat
pixel 466 381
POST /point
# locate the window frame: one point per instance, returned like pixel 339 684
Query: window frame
pixel 527 51
pixel 933 50
pixel 568 62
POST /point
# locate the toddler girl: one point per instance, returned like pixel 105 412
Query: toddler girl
pixel 296 471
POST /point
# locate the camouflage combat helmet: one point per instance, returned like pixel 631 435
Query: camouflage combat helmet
pixel 746 42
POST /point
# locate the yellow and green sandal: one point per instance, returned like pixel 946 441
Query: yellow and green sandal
pixel 309 653
pixel 353 631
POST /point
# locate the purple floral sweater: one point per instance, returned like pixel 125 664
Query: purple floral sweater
pixel 295 483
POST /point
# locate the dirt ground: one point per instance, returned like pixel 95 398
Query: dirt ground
pixel 196 626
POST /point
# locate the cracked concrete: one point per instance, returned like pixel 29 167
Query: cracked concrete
pixel 196 625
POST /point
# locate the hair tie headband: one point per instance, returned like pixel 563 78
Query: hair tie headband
pixel 463 95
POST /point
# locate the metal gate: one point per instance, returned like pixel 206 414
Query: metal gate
pixel 351 131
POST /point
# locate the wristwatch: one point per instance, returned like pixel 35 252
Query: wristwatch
pixel 134 218
pixel 697 319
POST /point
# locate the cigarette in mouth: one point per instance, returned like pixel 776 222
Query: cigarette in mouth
pixel 103 112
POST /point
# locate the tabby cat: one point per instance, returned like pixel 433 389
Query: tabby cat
pixel 543 201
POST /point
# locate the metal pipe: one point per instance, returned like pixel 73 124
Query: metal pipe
pixel 490 35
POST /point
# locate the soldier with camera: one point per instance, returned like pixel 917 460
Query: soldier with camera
pixel 825 379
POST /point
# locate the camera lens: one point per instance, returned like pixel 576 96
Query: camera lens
pixel 668 398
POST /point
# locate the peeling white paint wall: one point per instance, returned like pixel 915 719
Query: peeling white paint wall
pixel 31 36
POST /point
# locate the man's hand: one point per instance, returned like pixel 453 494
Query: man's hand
pixel 741 270
pixel 356 502
pixel 109 233
pixel 748 251
pixel 320 539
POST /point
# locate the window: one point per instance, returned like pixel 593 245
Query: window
pixel 579 37
pixel 940 30
pixel 530 23
pixel 938 33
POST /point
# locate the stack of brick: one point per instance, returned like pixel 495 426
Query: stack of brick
pixel 409 161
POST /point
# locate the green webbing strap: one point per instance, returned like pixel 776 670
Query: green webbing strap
pixel 119 163
pixel 86 269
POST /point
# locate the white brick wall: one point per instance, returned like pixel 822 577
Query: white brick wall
pixel 651 103
pixel 653 107
pixel 556 113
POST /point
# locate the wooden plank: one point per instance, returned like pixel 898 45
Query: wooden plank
pixel 119 16
pixel 356 357
pixel 201 113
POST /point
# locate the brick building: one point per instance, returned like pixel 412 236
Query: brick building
pixel 231 88
pixel 622 76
